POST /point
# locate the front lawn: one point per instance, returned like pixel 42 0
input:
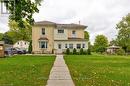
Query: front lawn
pixel 99 70
pixel 25 70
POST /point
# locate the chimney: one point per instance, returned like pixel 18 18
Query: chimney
pixel 79 22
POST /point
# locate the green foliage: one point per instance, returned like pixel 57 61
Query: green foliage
pixel 128 48
pixel 120 52
pixel 123 28
pixel 74 51
pixel 7 39
pixel 22 11
pixel 81 51
pixel 30 47
pixel 88 51
pixel 1 36
pixel 17 34
pixel 100 44
pixel 113 42
pixel 86 35
pixel 67 51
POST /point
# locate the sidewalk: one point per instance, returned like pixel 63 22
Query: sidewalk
pixel 59 75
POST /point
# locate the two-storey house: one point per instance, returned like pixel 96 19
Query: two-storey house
pixel 48 37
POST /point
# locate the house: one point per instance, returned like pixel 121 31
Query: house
pixel 22 45
pixel 112 49
pixel 49 37
pixel 2 49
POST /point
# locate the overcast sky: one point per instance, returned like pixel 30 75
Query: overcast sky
pixel 101 16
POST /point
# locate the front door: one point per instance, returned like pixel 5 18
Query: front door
pixel 59 46
pixel 59 50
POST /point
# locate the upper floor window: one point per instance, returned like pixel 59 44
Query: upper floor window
pixel 66 46
pixel 71 46
pixel 43 31
pixel 18 43
pixel 60 31
pixel 78 46
pixel 83 46
pixel 73 32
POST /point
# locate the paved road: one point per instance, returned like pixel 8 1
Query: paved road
pixel 59 75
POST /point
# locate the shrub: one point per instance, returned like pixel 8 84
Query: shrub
pixel 85 52
pixel 30 47
pixel 74 51
pixel 100 49
pixel 67 51
pixel 81 51
pixel 120 52
pixel 88 51
pixel 128 49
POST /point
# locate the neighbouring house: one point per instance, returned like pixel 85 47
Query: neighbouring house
pixel 112 49
pixel 50 37
pixel 22 45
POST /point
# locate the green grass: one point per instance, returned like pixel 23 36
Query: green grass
pixel 25 70
pixel 99 70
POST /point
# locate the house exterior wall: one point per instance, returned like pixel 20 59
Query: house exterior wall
pixel 37 33
pixel 60 36
pixel 79 32
pixel 70 42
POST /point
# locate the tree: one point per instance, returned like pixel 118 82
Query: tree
pixel 19 34
pixel 100 44
pixel 7 39
pixel 89 48
pixel 1 36
pixel 86 35
pixel 123 36
pixel 22 11
pixel 113 42
pixel 30 47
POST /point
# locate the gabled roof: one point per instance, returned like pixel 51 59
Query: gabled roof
pixel 60 25
pixel 71 25
pixel 44 23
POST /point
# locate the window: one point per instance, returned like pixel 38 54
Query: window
pixel 43 44
pixel 66 46
pixel 73 32
pixel 18 43
pixel 83 46
pixel 25 43
pixel 71 46
pixel 78 46
pixel 43 31
pixel 60 31
pixel 59 46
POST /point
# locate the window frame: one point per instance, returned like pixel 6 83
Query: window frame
pixel 45 44
pixel 71 46
pixel 60 31
pixel 66 45
pixel 83 45
pixel 74 32
pixel 78 46
pixel 43 31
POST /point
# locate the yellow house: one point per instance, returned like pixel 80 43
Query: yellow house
pixel 50 37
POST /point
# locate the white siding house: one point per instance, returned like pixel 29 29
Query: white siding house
pixel 22 45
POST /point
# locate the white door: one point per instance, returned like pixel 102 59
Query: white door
pixel 59 50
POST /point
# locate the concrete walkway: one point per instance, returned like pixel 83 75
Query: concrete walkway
pixel 59 75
